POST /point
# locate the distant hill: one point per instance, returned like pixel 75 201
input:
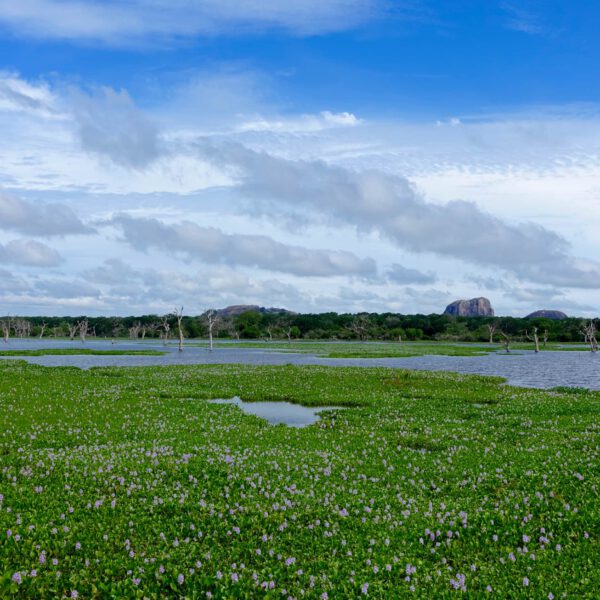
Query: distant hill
pixel 556 315
pixel 238 309
pixel 476 307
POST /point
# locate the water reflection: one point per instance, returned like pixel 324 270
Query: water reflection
pixel 278 413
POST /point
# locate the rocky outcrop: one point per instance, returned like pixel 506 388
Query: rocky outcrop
pixel 556 315
pixel 476 307
pixel 238 309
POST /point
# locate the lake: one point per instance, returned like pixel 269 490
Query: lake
pixel 527 369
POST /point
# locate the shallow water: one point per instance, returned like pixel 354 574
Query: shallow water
pixel 543 370
pixel 278 413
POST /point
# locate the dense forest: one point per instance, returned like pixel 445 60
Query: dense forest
pixel 257 325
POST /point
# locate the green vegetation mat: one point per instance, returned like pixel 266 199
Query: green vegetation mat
pixel 126 483
pixel 392 349
pixel 78 351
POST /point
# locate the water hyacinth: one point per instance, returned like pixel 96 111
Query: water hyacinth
pixel 128 482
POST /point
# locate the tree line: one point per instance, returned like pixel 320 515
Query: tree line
pixel 254 325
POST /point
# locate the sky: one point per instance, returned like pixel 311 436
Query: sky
pixel 316 155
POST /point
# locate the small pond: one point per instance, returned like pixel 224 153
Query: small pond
pixel 277 413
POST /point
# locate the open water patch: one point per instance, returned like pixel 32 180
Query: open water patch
pixel 278 413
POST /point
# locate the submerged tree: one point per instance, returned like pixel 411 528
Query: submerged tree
pixel 534 338
pixel 491 327
pixel 165 327
pixel 6 327
pixel 211 318
pixel 505 340
pixel 178 313
pixel 589 333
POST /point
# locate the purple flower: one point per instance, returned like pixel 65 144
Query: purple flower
pixel 17 578
pixel 180 579
pixel 364 588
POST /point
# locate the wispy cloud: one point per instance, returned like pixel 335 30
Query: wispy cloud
pixel 156 21
pixel 522 19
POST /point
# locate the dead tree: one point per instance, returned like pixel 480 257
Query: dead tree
pixel 178 313
pixel 359 326
pixel 270 329
pixel 83 328
pixel 73 327
pixel 288 333
pixel 545 338
pixel 134 330
pixel 491 327
pixel 21 328
pixel 233 330
pixel 589 333
pixel 505 341
pixel 43 329
pixel 6 327
pixel 534 338
pixel 212 320
pixel 165 327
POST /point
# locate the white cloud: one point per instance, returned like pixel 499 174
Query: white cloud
pixel 156 21
pixel 302 123
pixel 211 245
pixel 39 218
pixel 109 124
pixel 29 253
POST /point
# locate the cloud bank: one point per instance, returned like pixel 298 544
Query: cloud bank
pixel 212 245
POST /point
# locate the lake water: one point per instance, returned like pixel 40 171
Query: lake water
pixel 278 413
pixel 543 370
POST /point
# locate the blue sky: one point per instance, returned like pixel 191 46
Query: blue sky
pixel 437 59
pixel 431 150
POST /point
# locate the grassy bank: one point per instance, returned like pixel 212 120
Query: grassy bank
pixel 127 483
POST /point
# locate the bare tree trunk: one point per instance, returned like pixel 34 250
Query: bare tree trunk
pixel 83 330
pixel 492 329
pixel 589 333
pixel 534 338
pixel 545 337
pixel 72 330
pixel 6 325
pixel 212 319
pixel 506 341
pixel 43 329
pixel 179 315
pixel 166 328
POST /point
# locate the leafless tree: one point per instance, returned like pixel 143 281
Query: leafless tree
pixel 534 338
pixel 505 340
pixel 21 327
pixel 73 327
pixel 588 331
pixel 165 326
pixel 117 326
pixel 233 330
pixel 212 320
pixel 42 329
pixel 134 330
pixel 360 325
pixel 545 338
pixel 491 327
pixel 288 333
pixel 6 327
pixel 83 328
pixel 178 313
pixel 269 330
